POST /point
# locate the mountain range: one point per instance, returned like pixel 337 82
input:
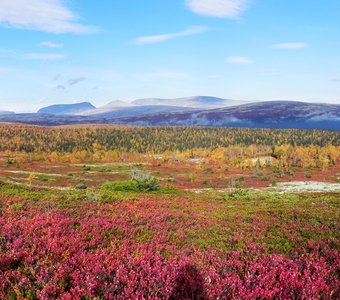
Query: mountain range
pixel 191 111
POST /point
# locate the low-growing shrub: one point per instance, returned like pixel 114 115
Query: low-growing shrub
pixel 81 186
pixel 120 186
pixel 16 206
pixel 131 186
pixel 238 194
pixel 145 182
pixel 109 196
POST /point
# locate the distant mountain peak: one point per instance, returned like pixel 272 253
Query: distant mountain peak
pixel 117 103
pixel 66 109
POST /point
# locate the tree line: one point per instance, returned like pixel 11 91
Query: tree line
pixel 68 139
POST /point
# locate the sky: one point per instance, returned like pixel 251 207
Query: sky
pixel 68 51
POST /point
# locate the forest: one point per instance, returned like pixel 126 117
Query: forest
pixel 28 138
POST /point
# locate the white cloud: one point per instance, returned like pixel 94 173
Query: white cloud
pixel 218 8
pixel 44 15
pixel 239 60
pixel 43 56
pixel 153 39
pixel 51 45
pixel 290 45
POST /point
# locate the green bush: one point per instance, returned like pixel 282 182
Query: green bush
pixel 121 186
pixel 140 182
pixel 238 194
pixel 145 182
pixel 132 186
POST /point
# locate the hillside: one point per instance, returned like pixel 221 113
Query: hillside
pixel 271 114
pixel 199 102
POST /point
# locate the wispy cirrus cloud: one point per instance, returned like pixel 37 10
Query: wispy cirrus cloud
pixel 290 46
pixel 31 56
pixel 51 45
pixel 43 56
pixel 43 15
pixel 75 81
pixel 218 8
pixel 60 87
pixel 153 39
pixel 239 60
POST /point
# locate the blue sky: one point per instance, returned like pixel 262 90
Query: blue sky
pixel 67 51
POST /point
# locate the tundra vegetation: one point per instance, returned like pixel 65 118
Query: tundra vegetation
pixel 107 212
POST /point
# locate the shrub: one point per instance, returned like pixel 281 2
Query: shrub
pixel 120 186
pixel 238 194
pixel 140 182
pixel 144 181
pixel 106 196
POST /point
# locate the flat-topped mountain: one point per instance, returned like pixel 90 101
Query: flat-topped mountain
pixel 6 112
pixel 66 109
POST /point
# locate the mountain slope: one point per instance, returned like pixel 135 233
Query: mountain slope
pixel 153 105
pixel 271 114
pixel 66 109
pixel 6 112
pixel 137 111
pixel 200 102
pixel 109 107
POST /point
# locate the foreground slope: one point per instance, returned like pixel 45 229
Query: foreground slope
pixel 58 245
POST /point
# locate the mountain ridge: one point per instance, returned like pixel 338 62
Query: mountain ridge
pixel 266 114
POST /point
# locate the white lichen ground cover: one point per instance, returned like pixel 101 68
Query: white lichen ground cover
pixel 305 186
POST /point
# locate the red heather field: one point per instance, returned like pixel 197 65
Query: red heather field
pixel 58 245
